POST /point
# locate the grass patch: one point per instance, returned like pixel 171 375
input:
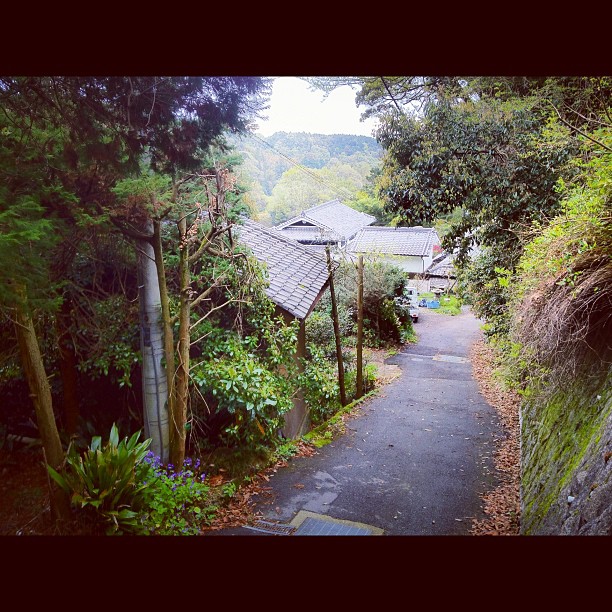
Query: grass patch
pixel 449 304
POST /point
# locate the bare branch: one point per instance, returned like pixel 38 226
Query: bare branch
pixel 230 301
pixel 205 245
pixel 132 232
pixel 391 94
pixel 153 103
pixel 207 292
pixel 573 127
pixel 588 119
pixel 199 340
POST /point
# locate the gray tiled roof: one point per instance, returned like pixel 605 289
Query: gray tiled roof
pixel 342 221
pixel 415 241
pixel 307 233
pixel 296 273
pixel 443 267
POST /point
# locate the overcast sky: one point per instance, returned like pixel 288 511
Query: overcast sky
pixel 293 108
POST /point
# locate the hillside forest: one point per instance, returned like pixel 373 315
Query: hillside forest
pixel 286 173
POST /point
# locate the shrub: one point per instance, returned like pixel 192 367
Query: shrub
pixel 368 379
pixel 489 292
pixel 102 483
pixel 319 383
pixel 562 298
pixel 319 328
pixel 175 502
pixel 384 320
pixel 254 395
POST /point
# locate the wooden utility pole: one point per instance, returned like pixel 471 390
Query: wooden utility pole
pixel 336 329
pixel 359 381
pixel 40 393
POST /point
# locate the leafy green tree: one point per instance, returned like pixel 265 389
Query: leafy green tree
pixel 482 156
pixel 367 201
pixel 186 117
pixel 494 157
pixel 104 128
pixel 383 96
pixel 27 239
pixel 493 148
pixel 339 160
pixel 297 191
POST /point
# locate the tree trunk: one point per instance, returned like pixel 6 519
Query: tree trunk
pixel 154 379
pixel 182 373
pixel 40 392
pixel 359 380
pixel 336 330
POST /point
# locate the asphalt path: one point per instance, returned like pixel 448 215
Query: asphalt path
pixel 415 458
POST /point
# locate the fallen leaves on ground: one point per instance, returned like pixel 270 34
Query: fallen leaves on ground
pixel 502 504
pixel 239 511
pixel 385 372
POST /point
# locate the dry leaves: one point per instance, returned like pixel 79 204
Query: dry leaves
pixel 239 510
pixel 502 504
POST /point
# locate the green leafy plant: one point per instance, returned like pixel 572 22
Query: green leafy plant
pixel 175 502
pixel 257 397
pixel 319 383
pixel 368 380
pixel 103 483
pixel 285 450
pixel 229 489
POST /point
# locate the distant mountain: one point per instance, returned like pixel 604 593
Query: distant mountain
pixel 267 158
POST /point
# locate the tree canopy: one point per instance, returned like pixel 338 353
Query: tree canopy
pixel 67 143
pixel 486 154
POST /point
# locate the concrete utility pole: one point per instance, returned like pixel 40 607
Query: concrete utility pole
pixel 336 329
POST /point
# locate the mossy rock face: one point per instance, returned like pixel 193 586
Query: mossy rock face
pixel 566 461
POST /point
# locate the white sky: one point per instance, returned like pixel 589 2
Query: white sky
pixel 294 108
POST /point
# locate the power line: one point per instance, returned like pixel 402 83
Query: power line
pixel 347 193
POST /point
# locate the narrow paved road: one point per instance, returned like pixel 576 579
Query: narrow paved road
pixel 416 458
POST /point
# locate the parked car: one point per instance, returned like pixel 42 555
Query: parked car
pixel 412 294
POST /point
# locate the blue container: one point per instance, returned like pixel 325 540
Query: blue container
pixel 433 304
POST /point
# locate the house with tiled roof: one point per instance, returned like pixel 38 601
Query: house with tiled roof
pixel 297 277
pixel 410 248
pixel 441 274
pixel 329 223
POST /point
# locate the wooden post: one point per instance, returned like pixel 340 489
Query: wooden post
pixel 336 329
pixel 359 381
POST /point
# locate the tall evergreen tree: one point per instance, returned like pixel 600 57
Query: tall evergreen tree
pixel 92 131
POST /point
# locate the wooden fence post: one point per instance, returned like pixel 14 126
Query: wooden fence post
pixel 359 380
pixel 336 329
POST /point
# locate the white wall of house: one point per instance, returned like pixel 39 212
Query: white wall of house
pixel 412 264
pixel 422 284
